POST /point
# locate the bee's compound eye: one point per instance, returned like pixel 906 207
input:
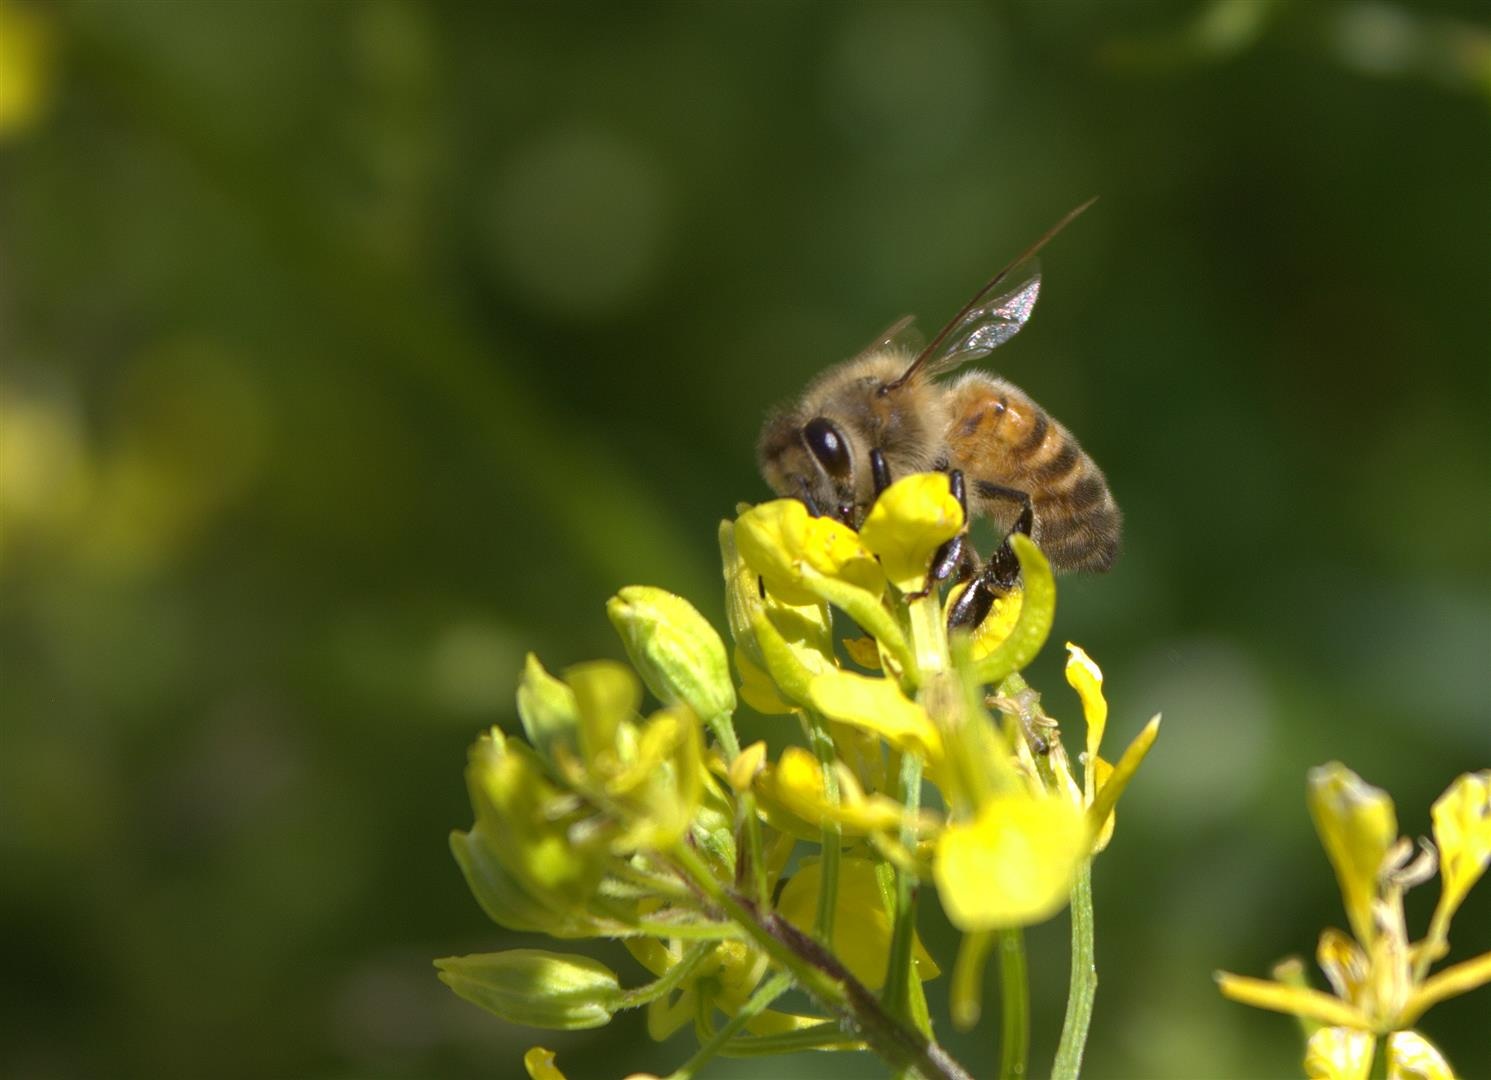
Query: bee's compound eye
pixel 828 445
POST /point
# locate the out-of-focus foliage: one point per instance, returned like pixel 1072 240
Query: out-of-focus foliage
pixel 347 351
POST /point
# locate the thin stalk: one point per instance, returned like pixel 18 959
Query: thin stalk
pixel 825 1036
pixel 896 995
pixel 1084 982
pixel 1014 1000
pixel 669 980
pixel 768 992
pixel 825 978
pixel 1379 1070
pixel 747 825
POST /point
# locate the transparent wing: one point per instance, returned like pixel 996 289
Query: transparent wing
pixel 989 323
pixel 901 334
pixel 984 324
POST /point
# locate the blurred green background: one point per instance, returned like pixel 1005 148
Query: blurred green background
pixel 349 350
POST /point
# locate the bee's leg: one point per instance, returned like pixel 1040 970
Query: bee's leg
pixel 951 554
pixel 879 470
pixel 973 603
pixel 1003 569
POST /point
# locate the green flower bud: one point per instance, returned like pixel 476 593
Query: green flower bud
pixel 524 823
pixel 678 654
pixel 537 988
pixel 547 708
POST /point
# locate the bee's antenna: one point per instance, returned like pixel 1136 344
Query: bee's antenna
pixel 989 287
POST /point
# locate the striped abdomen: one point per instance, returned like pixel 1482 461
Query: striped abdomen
pixel 1006 444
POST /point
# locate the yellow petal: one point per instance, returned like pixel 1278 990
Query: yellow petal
pixel 997 626
pixel 1345 965
pixel 1037 611
pixel 1410 1056
pixel 1086 678
pixel 864 652
pixel 1013 864
pixel 796 785
pixel 746 765
pixel 878 705
pixel 540 1064
pixel 1115 785
pixel 1357 827
pixel 1102 771
pixel 1296 1000
pixel 862 929
pixel 1339 1053
pixel 908 523
pixel 1462 832
pixel 1451 982
pixel 757 689
pixel 607 695
pixel 788 547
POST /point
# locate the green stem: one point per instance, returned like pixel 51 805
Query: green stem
pixel 1084 984
pixel 747 825
pixel 898 974
pixel 669 980
pixel 825 978
pixel 828 895
pixel 825 1036
pixel 769 991
pixel 1014 1047
pixel 1379 1070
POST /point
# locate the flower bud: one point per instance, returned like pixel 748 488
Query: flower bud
pixel 1357 825
pixel 678 654
pixel 547 708
pixel 536 987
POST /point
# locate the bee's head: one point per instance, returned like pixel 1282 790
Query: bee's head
pixel 813 459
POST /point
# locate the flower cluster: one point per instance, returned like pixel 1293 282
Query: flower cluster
pixel 1381 980
pixel 733 874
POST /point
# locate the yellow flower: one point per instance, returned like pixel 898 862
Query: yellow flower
pixel 793 551
pixel 1013 864
pixel 1381 981
pixel 877 705
pixel 1462 832
pixel 1102 783
pixel 908 523
pixel 795 786
pixel 1339 1053
pixel 1357 826
pixel 862 929
pixel 539 1064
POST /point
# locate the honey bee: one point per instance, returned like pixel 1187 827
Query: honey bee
pixel 882 414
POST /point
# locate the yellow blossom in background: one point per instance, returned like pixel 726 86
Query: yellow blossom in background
pixel 539 1063
pixel 1380 978
pixel 1462 832
pixel 27 53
